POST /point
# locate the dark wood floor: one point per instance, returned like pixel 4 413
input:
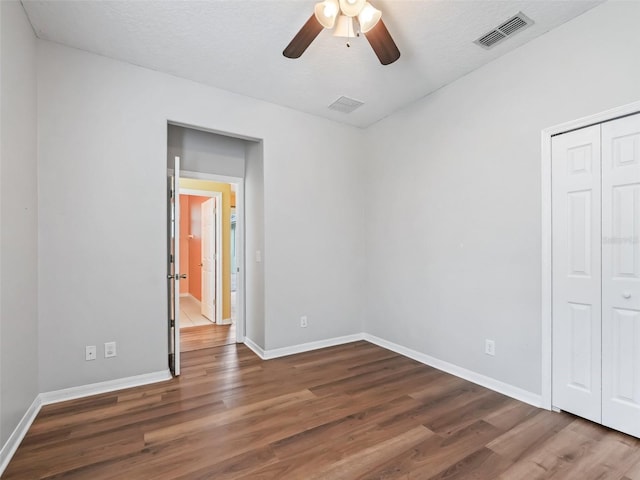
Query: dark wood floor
pixel 355 411
pixel 206 336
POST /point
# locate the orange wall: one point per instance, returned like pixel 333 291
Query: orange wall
pixel 184 243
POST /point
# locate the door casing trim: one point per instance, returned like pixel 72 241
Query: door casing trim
pixel 240 244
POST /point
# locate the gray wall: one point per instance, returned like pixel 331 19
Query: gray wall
pixel 102 190
pixel 254 241
pixel 18 218
pixel 449 212
pixel 454 201
pixel 206 152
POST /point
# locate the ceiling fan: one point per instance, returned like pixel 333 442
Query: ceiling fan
pixel 342 14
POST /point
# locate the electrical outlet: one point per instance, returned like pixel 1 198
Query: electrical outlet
pixel 490 347
pixel 303 321
pixel 110 349
pixel 90 352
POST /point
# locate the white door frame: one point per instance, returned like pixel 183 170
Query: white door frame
pixel 547 286
pixel 240 247
pixel 173 249
pixel 218 252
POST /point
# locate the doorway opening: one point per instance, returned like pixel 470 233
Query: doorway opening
pixel 201 160
pixel 207 303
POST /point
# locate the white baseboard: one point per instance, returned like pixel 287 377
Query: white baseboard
pixel 225 321
pixel 10 447
pixel 103 387
pixel 301 348
pixel 47 398
pixel 477 378
pixel 254 347
pixel 13 442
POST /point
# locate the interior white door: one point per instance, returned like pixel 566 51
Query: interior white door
pixel 621 274
pixel 577 272
pixel 208 224
pixel 173 230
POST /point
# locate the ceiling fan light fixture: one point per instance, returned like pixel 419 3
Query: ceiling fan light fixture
pixel 341 15
pixel 368 17
pixel 344 27
pixel 351 8
pixel 326 12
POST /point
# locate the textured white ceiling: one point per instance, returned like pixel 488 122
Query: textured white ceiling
pixel 237 45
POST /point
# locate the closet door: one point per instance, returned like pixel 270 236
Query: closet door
pixel 621 274
pixel 577 273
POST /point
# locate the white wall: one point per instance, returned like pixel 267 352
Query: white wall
pixel 102 167
pixel 18 217
pixel 314 235
pixel 206 152
pixel 452 194
pixel 254 242
pixel 453 210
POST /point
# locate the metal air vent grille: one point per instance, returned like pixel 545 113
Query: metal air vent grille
pixel 345 105
pixel 506 29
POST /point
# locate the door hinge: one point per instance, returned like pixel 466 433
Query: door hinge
pixel 171 258
pixel 173 323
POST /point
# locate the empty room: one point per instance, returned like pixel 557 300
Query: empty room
pixel 334 239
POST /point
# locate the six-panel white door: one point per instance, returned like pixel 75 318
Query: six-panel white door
pixel 208 249
pixel 576 273
pixel 596 273
pixel 621 274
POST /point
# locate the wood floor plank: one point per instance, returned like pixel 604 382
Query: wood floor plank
pixel 528 435
pixel 354 466
pixel 436 454
pixel 353 411
pixel 481 464
pixel 510 414
pixel 634 472
pixel 206 336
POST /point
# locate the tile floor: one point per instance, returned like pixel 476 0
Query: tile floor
pixel 190 315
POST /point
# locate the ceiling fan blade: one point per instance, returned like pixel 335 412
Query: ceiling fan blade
pixel 303 38
pixel 383 45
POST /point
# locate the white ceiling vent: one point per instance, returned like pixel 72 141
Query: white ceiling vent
pixel 345 105
pixel 508 28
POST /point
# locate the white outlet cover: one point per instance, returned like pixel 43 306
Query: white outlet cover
pixel 490 347
pixel 90 352
pixel 110 349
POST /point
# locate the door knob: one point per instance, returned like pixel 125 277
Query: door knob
pixel 626 294
pixel 176 276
